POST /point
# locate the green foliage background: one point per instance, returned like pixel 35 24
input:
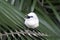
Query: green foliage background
pixel 12 14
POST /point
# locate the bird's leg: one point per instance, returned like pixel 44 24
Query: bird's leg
pixel 37 30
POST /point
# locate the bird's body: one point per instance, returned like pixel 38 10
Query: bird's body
pixel 32 20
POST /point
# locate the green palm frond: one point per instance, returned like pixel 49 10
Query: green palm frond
pixel 12 14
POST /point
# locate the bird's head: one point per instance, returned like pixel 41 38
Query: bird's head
pixel 31 15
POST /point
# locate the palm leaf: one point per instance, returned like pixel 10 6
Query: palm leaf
pixel 12 27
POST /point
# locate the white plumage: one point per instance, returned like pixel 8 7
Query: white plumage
pixel 31 21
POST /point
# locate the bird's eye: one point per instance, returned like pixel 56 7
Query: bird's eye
pixel 29 17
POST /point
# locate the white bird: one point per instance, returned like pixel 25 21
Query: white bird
pixel 32 21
